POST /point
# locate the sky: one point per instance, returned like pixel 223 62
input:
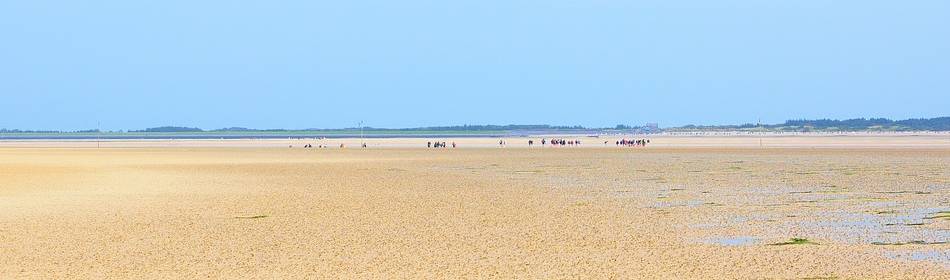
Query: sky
pixel 68 65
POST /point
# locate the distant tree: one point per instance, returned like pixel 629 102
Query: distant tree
pixel 171 129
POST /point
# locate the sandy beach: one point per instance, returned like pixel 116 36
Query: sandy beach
pixel 797 207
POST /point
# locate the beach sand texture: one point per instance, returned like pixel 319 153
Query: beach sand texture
pixel 670 211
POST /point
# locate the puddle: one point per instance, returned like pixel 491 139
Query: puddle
pixel 882 204
pixel 751 219
pixel 936 256
pixel 906 226
pixel 733 241
pixel 821 197
pixel 690 203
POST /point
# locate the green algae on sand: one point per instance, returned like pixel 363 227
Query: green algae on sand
pixel 251 217
pixel 795 241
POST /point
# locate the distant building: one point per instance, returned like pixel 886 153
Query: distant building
pixel 652 126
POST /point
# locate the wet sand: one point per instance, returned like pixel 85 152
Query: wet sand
pixel 686 207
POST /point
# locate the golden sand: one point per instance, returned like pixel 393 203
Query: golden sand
pixel 212 210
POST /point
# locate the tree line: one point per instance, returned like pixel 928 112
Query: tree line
pixel 860 124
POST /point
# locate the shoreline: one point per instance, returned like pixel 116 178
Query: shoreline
pixel 518 142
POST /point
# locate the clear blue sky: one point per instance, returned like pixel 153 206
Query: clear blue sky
pixel 304 64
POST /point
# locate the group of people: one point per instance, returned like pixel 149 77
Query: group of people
pixel 556 142
pixel 308 146
pixel 633 142
pixel 437 144
pixel 531 142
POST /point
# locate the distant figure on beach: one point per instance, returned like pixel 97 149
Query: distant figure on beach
pixel 429 144
pixel 632 142
pixel 453 145
pixel 530 143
